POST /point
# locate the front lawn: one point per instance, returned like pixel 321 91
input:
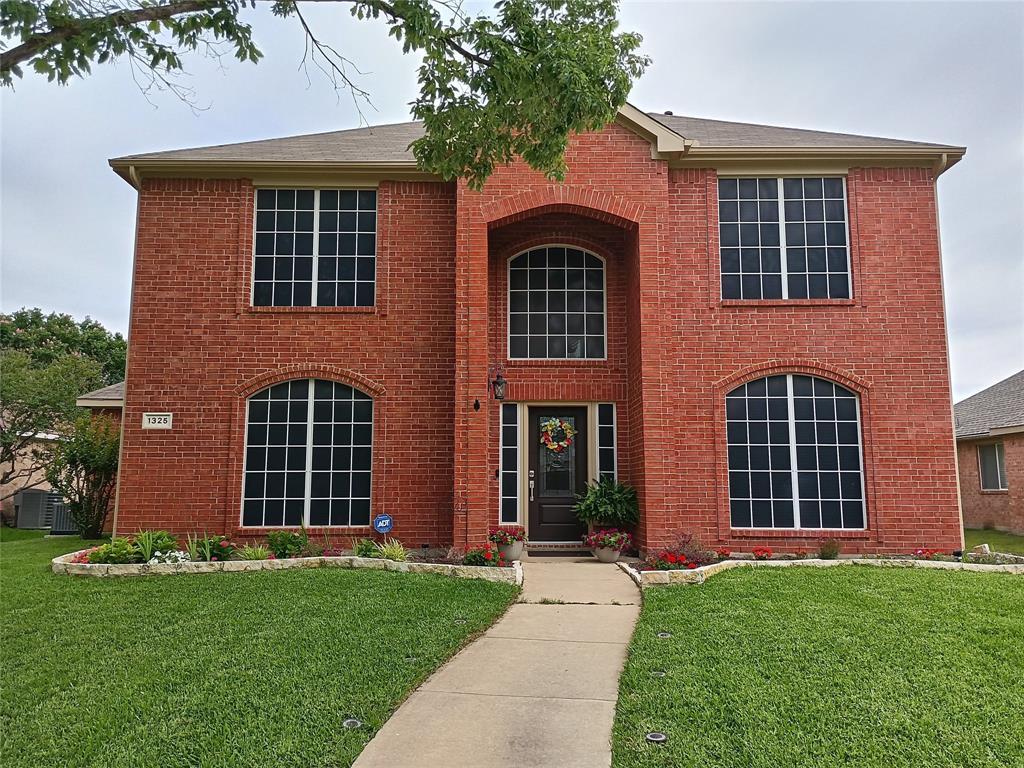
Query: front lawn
pixel 999 541
pixel 234 669
pixel 855 666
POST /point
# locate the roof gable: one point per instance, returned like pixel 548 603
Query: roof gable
pixel 1000 407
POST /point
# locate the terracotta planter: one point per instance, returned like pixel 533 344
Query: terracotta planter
pixel 513 551
pixel 606 554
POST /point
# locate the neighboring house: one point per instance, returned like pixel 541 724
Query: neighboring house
pixel 106 400
pixel 990 450
pixel 743 322
pixel 25 475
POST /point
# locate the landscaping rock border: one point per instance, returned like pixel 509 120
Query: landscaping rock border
pixel 645 579
pixel 509 575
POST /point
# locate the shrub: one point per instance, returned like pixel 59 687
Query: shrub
pixel 761 553
pixel 210 548
pixel 486 555
pixel 507 536
pixel 608 539
pixel 829 549
pixel 391 549
pixel 255 552
pixel 83 470
pixel 365 548
pixel 608 502
pixel 285 544
pixel 690 547
pixel 149 543
pixel 119 550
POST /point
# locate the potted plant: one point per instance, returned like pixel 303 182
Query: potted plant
pixel 608 503
pixel 608 544
pixel 510 541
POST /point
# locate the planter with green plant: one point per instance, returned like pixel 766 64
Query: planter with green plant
pixel 607 503
pixel 607 544
pixel 510 541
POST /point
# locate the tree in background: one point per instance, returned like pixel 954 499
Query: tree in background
pixel 83 469
pixel 37 403
pixel 517 82
pixel 47 338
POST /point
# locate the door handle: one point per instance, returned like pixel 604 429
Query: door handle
pixel 531 490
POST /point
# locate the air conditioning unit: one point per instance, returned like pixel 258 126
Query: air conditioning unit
pixel 34 508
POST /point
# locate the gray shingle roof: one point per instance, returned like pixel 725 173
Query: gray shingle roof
pixel 998 407
pixel 114 393
pixel 389 143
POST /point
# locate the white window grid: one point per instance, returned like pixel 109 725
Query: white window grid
pixel 319 246
pixel 775 220
pixel 330 471
pixel 806 447
pixel 998 456
pixel 509 483
pixel 547 299
pixel 607 440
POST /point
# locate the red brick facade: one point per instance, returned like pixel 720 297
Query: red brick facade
pixel 1001 510
pixel 673 348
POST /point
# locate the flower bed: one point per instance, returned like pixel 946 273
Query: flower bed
pixel 700 574
pixel 73 564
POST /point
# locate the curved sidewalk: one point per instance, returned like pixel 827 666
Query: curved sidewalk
pixel 537 689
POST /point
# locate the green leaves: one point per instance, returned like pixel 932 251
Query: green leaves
pixel 83 469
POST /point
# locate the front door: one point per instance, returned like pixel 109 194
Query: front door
pixel 556 473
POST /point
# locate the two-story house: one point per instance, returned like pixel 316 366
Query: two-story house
pixel 744 322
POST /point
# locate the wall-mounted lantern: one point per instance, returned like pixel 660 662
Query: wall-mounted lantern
pixel 497 384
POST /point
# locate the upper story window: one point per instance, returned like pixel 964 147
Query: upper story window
pixel 992 467
pixel 315 248
pixel 556 304
pixel 794 454
pixel 783 238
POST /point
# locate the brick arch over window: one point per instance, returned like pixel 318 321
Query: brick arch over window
pixel 563 199
pixel 793 365
pixel 326 372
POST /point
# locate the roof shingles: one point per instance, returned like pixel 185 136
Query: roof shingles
pixel 1001 406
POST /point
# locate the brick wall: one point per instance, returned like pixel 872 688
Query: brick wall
pixel 1002 510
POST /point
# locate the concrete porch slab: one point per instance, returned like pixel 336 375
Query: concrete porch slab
pixel 577 581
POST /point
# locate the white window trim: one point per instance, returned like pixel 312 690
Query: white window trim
pixel 316 247
pixel 795 472
pixel 782 235
pixel 508 305
pixel 1000 451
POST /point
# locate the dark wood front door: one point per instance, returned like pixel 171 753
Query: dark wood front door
pixel 555 477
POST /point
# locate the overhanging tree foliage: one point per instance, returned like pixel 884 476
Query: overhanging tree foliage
pixel 83 470
pixel 46 338
pixel 517 82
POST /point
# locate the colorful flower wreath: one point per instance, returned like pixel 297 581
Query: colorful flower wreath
pixel 557 434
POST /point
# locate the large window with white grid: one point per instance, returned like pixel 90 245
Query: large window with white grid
pixel 794 454
pixel 308 455
pixel 556 304
pixel 315 248
pixel 783 238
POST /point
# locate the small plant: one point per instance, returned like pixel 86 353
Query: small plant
pixel 83 556
pixel 210 549
pixel 723 553
pixel 365 548
pixel 286 544
pixel 608 539
pixel 329 550
pixel 119 550
pixel 690 547
pixel 170 556
pixel 391 549
pixel 506 536
pixel 801 554
pixel 667 560
pixel 255 552
pixel 150 542
pixel 924 553
pixel 609 503
pixel 486 555
pixel 761 553
pixel 829 549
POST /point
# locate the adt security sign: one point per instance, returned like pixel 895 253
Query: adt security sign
pixel 383 523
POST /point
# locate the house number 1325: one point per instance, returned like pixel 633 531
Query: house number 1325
pixel 157 420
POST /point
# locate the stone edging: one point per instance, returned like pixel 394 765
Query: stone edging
pixel 644 579
pixel 509 575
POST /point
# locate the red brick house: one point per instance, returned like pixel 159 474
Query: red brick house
pixel 743 322
pixel 990 450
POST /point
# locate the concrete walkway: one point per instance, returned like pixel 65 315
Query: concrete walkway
pixel 537 689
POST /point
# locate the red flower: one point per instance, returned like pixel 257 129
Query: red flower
pixel 488 555
pixel 691 566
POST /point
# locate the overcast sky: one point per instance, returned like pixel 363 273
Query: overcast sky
pixel 944 72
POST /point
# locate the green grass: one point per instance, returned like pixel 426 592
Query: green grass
pixel 855 666
pixel 20 534
pixel 236 669
pixel 999 541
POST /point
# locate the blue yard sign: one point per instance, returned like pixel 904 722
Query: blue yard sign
pixel 383 523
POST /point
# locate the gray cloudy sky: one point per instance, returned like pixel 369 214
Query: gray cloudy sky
pixel 944 72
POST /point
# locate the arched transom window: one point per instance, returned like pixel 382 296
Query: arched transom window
pixel 556 304
pixel 794 454
pixel 308 455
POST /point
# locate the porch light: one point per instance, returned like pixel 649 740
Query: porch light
pixel 498 383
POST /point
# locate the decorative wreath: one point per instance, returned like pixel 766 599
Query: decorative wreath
pixel 557 434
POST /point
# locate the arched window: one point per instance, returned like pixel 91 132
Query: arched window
pixel 794 454
pixel 308 454
pixel 556 304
